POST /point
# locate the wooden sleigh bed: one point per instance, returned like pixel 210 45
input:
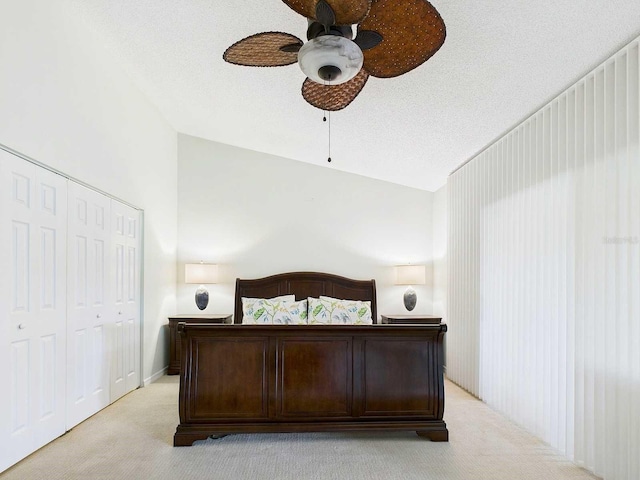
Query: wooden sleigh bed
pixel 309 378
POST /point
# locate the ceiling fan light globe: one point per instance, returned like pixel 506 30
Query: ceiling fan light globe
pixel 330 53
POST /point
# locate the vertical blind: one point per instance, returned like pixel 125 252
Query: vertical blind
pixel 544 271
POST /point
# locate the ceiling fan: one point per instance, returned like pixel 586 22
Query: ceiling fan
pixel 393 37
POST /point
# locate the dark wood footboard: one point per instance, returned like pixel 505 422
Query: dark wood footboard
pixel 254 379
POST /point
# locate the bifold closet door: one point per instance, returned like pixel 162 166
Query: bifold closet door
pixel 88 299
pixel 125 293
pixel 33 226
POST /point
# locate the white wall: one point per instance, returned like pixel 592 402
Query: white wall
pixel 544 279
pixel 67 104
pixel 258 215
pixel 440 226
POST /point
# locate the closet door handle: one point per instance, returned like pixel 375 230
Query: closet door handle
pixel 119 313
pixel 22 326
pixel 98 316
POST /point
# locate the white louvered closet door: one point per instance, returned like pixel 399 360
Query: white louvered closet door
pixel 33 225
pixel 125 294
pixel 89 309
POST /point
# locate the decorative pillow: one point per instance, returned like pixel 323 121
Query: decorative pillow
pixel 291 313
pixel 333 311
pixel 262 310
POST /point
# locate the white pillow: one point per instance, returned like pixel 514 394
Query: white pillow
pixel 262 310
pixel 334 311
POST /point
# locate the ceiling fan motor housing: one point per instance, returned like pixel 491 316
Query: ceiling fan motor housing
pixel 315 29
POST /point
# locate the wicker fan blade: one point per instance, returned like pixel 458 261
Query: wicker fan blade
pixel 269 49
pixel 334 97
pixel 347 12
pixel 412 31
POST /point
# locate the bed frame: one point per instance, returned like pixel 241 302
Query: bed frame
pixel 304 378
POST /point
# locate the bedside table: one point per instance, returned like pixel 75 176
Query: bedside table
pixel 175 347
pixel 411 319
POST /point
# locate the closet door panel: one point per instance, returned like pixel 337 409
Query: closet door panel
pixel 125 247
pixel 49 271
pixel 89 312
pixel 33 218
pixel 118 249
pixel 132 310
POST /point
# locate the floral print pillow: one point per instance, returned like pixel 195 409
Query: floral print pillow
pixel 333 311
pixel 291 313
pixel 262 310
pixel 274 311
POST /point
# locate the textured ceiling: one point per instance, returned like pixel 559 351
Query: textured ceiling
pixel 501 61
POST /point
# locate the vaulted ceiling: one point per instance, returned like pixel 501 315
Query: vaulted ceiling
pixel 501 61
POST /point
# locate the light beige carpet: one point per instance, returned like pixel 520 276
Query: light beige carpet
pixel 133 439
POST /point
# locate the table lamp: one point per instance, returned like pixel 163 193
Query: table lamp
pixel 201 273
pixel 410 275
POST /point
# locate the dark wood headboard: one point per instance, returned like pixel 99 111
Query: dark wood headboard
pixel 303 285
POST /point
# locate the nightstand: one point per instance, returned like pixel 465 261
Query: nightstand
pixel 411 319
pixel 175 347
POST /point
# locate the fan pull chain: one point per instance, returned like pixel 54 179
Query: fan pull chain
pixel 329 159
pixel 324 119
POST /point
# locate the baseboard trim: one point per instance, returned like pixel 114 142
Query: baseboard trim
pixel 155 376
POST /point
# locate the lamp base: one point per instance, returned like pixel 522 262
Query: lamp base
pixel 410 299
pixel 202 297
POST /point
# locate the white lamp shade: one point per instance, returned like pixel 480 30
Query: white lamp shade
pixel 410 275
pixel 200 273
